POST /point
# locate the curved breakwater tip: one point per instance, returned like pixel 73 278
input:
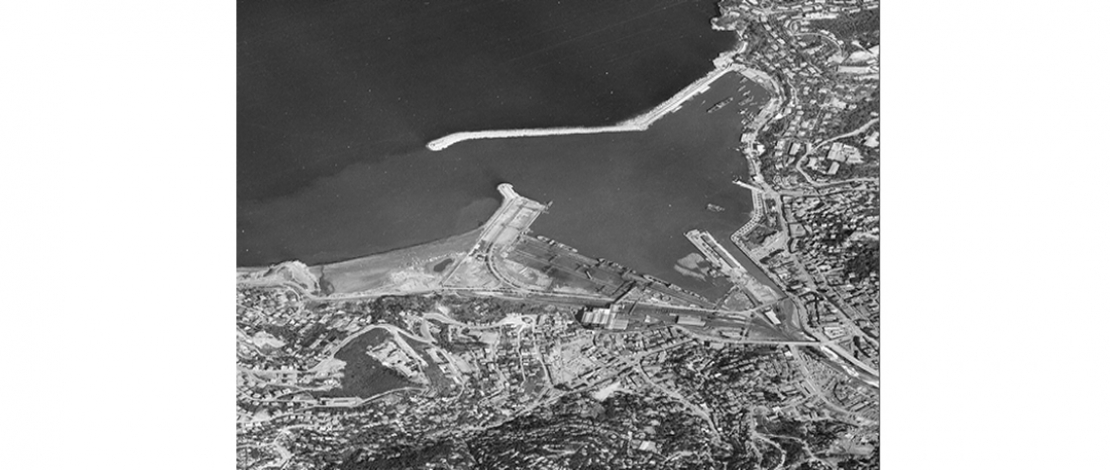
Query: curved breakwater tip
pixel 507 192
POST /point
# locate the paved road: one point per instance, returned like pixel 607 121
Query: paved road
pixel 635 363
pixel 809 179
pixel 817 390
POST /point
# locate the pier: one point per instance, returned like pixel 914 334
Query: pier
pixel 716 254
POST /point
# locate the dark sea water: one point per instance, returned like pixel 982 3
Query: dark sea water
pixel 337 100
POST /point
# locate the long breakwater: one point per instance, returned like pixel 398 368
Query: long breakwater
pixel 638 123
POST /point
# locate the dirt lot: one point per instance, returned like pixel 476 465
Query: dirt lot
pixel 381 270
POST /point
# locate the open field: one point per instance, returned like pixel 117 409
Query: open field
pixel 422 264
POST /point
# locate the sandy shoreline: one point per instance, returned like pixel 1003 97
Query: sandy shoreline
pixel 638 123
pixel 418 250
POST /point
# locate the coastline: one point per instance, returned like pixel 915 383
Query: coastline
pixel 723 65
